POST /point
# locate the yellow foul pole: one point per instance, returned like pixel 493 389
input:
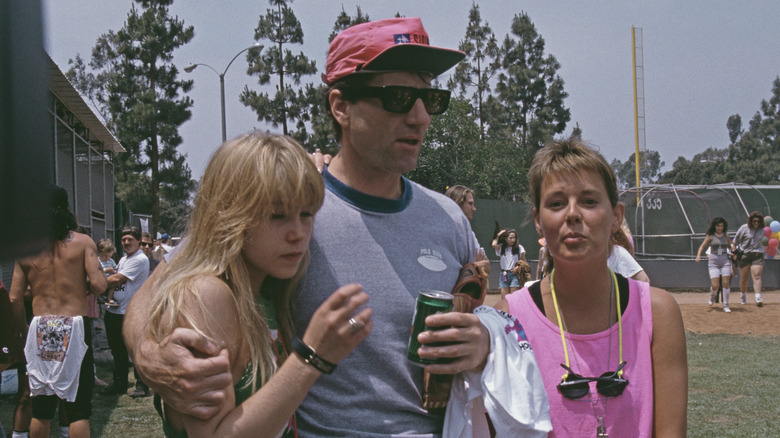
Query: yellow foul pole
pixel 636 112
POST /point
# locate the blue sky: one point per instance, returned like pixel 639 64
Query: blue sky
pixel 703 60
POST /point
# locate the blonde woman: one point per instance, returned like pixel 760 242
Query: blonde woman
pixel 247 245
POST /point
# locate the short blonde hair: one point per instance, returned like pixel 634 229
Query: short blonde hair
pixel 249 178
pixel 569 156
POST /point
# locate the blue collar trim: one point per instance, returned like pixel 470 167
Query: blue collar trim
pixel 368 202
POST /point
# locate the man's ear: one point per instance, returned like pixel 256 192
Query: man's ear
pixel 338 106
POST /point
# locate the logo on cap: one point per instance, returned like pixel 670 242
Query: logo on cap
pixel 406 38
pixel 401 38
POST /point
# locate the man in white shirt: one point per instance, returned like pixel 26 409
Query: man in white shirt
pixel 132 272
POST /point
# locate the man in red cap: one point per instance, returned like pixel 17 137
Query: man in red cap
pixel 379 229
pixel 376 228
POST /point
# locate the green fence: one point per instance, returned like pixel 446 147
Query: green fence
pixel 668 222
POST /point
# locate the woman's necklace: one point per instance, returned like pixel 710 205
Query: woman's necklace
pixel 601 429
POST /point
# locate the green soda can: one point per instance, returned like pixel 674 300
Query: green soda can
pixel 429 302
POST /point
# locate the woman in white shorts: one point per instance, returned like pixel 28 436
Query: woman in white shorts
pixel 719 263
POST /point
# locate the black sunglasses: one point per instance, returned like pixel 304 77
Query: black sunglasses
pixel 145 244
pixel 609 384
pixel 399 99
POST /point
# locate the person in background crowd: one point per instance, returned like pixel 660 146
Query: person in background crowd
pixel 621 258
pixel 146 247
pixel 59 345
pixel 464 197
pixel 408 239
pixel 613 360
pixel 163 248
pixel 106 252
pixel 719 246
pixel 544 265
pixel 509 249
pixel 131 272
pixel 12 356
pixel 751 264
pixel 23 411
pixel 165 242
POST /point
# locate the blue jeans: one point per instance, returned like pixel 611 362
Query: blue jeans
pixel 508 279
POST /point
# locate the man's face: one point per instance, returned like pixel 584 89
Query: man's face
pixel 385 142
pixel 130 244
pixel 468 206
pixel 146 245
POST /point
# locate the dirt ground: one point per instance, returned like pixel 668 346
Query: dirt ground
pixel 699 317
pixel 743 320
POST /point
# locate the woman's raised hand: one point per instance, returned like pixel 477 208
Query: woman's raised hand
pixel 340 323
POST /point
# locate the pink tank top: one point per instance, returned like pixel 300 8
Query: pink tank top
pixel 629 414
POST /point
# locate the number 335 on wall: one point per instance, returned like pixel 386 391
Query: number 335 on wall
pixel 653 203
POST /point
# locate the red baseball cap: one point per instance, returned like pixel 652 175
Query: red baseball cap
pixel 394 44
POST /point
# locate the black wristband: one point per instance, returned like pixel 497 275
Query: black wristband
pixel 310 357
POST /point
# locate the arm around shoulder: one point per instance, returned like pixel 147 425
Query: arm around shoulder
pixel 189 384
pixel 670 367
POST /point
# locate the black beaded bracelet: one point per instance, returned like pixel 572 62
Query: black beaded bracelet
pixel 310 357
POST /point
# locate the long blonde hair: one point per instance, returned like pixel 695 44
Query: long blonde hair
pixel 249 178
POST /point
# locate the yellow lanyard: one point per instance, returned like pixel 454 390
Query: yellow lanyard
pixel 563 333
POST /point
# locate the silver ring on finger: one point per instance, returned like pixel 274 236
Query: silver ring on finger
pixel 355 325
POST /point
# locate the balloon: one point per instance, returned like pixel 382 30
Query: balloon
pixel 773 243
pixel 765 241
pixel 771 252
pixel 774 226
pixel 767 231
pixel 768 220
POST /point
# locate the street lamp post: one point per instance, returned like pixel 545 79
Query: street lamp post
pixel 192 67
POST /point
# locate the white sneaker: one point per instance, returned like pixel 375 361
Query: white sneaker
pixel 743 298
pixel 710 301
pixel 726 309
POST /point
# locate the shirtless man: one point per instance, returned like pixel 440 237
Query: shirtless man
pixel 59 344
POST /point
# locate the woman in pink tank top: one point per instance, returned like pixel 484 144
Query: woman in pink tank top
pixel 611 350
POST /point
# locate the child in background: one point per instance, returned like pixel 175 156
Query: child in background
pixel 106 251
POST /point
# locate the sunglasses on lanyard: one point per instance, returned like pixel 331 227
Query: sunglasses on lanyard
pixel 573 385
pixel 609 384
pixel 400 100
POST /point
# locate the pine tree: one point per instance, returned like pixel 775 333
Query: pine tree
pixel 290 102
pixel 529 104
pixel 135 86
pixel 344 21
pixel 475 72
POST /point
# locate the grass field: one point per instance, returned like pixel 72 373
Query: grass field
pixel 734 388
